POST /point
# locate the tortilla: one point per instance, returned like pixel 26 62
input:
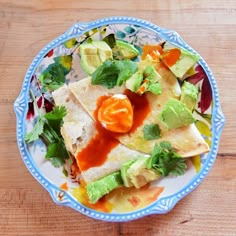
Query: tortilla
pixel 187 140
pixel 79 129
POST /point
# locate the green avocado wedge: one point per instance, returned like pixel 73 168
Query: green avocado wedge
pixel 127 50
pixel 183 64
pixel 99 188
pixel 189 95
pixel 93 54
pixel 176 114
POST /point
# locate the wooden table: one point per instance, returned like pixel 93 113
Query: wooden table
pixel 26 26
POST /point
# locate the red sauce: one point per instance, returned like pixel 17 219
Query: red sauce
pixel 96 152
pixel 171 56
pixel 141 108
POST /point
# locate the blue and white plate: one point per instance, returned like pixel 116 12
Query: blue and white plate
pixel 121 205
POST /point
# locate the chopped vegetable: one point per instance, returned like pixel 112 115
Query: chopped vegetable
pixel 152 50
pixel 189 95
pixel 101 187
pixel 175 114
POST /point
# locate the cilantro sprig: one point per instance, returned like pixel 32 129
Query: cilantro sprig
pixel 48 128
pixel 151 131
pixel 166 161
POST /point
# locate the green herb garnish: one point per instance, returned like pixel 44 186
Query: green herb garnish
pixel 151 131
pixel 48 128
pixel 112 73
pixel 166 161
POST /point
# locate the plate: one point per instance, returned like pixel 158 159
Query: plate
pixel 159 197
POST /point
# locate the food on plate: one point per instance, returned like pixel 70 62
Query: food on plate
pixel 175 115
pixel 186 140
pixel 189 95
pixel 179 61
pixel 127 50
pixel 129 122
pixel 85 140
pixel 93 54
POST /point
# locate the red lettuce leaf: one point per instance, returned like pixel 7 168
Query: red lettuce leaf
pixel 206 92
pixel 200 75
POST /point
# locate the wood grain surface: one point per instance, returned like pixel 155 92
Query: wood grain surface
pixel 26 26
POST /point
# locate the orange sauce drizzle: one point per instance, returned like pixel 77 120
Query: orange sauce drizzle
pixel 152 50
pixel 171 56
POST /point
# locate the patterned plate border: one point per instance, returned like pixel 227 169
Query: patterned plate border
pixel 162 205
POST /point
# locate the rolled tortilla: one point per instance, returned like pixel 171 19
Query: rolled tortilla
pixel 79 129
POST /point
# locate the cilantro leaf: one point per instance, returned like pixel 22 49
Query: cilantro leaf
pixel 55 118
pixel 170 166
pixel 106 75
pixel 57 153
pixel 166 161
pixel 112 73
pixel 127 68
pixel 48 128
pixel 57 113
pixel 34 134
pixel 167 146
pixel 151 131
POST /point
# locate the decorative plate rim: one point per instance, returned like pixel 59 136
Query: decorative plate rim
pixel 162 205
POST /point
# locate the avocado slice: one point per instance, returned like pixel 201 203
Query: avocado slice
pixel 123 170
pixel 151 74
pixel 184 63
pixel 127 50
pixel 139 174
pixel 93 54
pixel 150 81
pixel 134 82
pixel 103 50
pixel 175 114
pixel 101 187
pixel 189 95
